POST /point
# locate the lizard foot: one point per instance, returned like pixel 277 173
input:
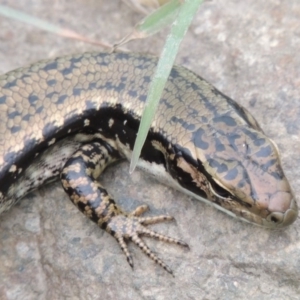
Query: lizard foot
pixel 131 226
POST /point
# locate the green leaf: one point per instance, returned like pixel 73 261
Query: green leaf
pixel 153 23
pixel 163 69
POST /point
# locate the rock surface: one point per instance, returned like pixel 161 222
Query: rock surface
pixel 48 250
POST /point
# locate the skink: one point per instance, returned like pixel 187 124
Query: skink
pixel 72 116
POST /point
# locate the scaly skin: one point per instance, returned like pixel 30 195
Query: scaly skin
pixel 72 116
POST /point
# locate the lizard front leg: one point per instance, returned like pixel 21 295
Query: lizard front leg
pixel 79 180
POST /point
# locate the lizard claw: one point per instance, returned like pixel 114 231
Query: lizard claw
pixel 131 226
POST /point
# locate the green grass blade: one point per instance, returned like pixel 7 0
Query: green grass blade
pixel 163 69
pixel 44 25
pixel 162 17
pixel 153 23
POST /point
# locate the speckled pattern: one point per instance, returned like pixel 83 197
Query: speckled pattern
pixel 249 50
pixel 209 145
pixel 79 181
